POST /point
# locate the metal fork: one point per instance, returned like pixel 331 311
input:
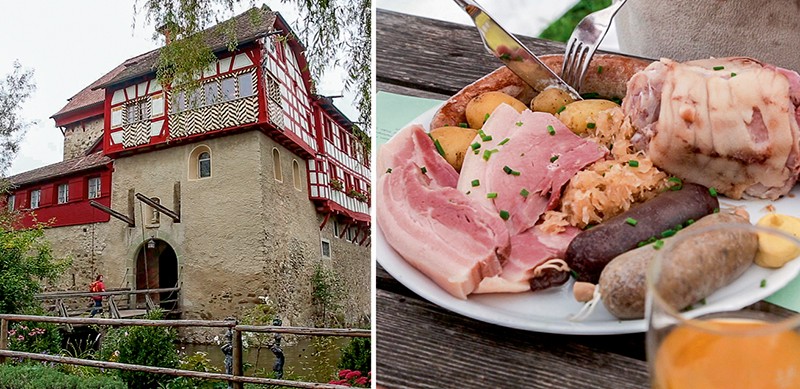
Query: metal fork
pixel 584 41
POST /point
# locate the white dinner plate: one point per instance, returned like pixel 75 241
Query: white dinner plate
pixel 550 310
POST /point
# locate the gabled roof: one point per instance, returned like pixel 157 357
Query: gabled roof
pixel 59 169
pixel 327 104
pixel 216 37
pixel 89 96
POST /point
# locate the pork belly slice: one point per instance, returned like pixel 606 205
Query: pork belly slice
pixel 529 250
pixel 727 123
pixel 412 143
pixel 439 230
pixel 498 127
pixel 528 172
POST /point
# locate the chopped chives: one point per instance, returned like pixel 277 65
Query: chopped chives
pixel 716 210
pixel 659 244
pixel 590 125
pixel 439 148
pixel 504 214
pixel 667 233
pixel 476 152
pixel 475 146
pixel 524 192
pixel 519 124
pixel 616 100
pixel 678 183
pixel 504 141
pixel 389 170
pixel 551 130
pixel 718 67
pixel 590 95
pixel 733 74
pixel 487 154
pixel 712 192
pixel 763 283
pixel 507 169
pixel 689 222
pixel 553 158
pixel 463 125
pixel 631 221
pixel 424 170
pixel 599 69
pixel 563 107
pixel 515 173
pixel 485 118
pixel 573 274
pixel 640 244
pixel 491 195
pixel 633 163
pixel 469 191
pixel 476 183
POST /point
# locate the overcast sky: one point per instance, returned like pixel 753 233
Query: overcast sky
pixel 70 44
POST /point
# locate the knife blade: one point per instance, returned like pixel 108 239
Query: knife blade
pixel 512 52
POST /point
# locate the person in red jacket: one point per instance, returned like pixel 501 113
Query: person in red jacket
pixel 97 286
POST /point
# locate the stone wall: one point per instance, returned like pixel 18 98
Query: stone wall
pixel 242 234
pixel 80 136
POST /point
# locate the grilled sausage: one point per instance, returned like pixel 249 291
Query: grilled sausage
pixel 695 270
pixel 592 249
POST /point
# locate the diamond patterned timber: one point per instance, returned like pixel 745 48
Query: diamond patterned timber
pixel 274 102
pixel 215 117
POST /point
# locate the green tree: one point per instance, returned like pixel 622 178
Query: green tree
pixel 14 90
pixel 337 32
pixel 26 260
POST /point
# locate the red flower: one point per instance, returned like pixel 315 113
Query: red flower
pixel 361 381
pixel 343 373
pixel 352 374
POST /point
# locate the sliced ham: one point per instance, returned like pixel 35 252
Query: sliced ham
pixel 529 250
pixel 727 123
pixel 440 231
pixel 413 144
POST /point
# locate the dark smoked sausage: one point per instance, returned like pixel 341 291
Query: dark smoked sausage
pixel 593 249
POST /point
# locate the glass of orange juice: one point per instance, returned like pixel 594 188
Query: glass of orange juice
pixel 731 348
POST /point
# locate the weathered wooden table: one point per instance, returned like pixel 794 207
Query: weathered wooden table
pixel 420 345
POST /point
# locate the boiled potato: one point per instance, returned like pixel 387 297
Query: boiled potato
pixel 580 115
pixel 483 105
pixel 551 100
pixel 454 141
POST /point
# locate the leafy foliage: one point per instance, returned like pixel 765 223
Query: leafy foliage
pixel 357 355
pixel 41 376
pixel 326 293
pixel 34 337
pixel 149 346
pixel 561 28
pixel 26 259
pixel 198 361
pixel 14 90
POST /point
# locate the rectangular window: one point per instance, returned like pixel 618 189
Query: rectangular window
pixel 94 187
pixel 245 84
pixel 134 113
pixel 11 202
pixel 210 90
pixel 326 248
pixel 35 197
pixel 63 193
pixel 194 100
pixel 336 231
pixel 228 89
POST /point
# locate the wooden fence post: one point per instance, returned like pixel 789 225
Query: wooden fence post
pixel 3 337
pixel 238 367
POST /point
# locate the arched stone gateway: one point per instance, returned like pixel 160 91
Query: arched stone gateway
pixel 157 268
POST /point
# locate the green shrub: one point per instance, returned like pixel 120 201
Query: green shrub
pixel 148 346
pixel 39 376
pixel 34 337
pixel 198 361
pixel 357 356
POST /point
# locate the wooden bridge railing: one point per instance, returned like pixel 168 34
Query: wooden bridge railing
pixel 237 378
pixel 114 306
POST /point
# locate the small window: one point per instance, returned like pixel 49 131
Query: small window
pixel 35 197
pixel 12 199
pixel 94 188
pixel 210 89
pixel 296 174
pixel 63 193
pixel 276 164
pixel 155 216
pixel 200 163
pixel 336 231
pixel 245 84
pixel 228 89
pixel 136 111
pixel 326 248
pixel 204 165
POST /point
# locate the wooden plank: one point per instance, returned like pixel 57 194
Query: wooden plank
pixel 238 367
pixel 347 332
pixel 66 294
pixel 423 346
pixel 436 56
pixel 3 338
